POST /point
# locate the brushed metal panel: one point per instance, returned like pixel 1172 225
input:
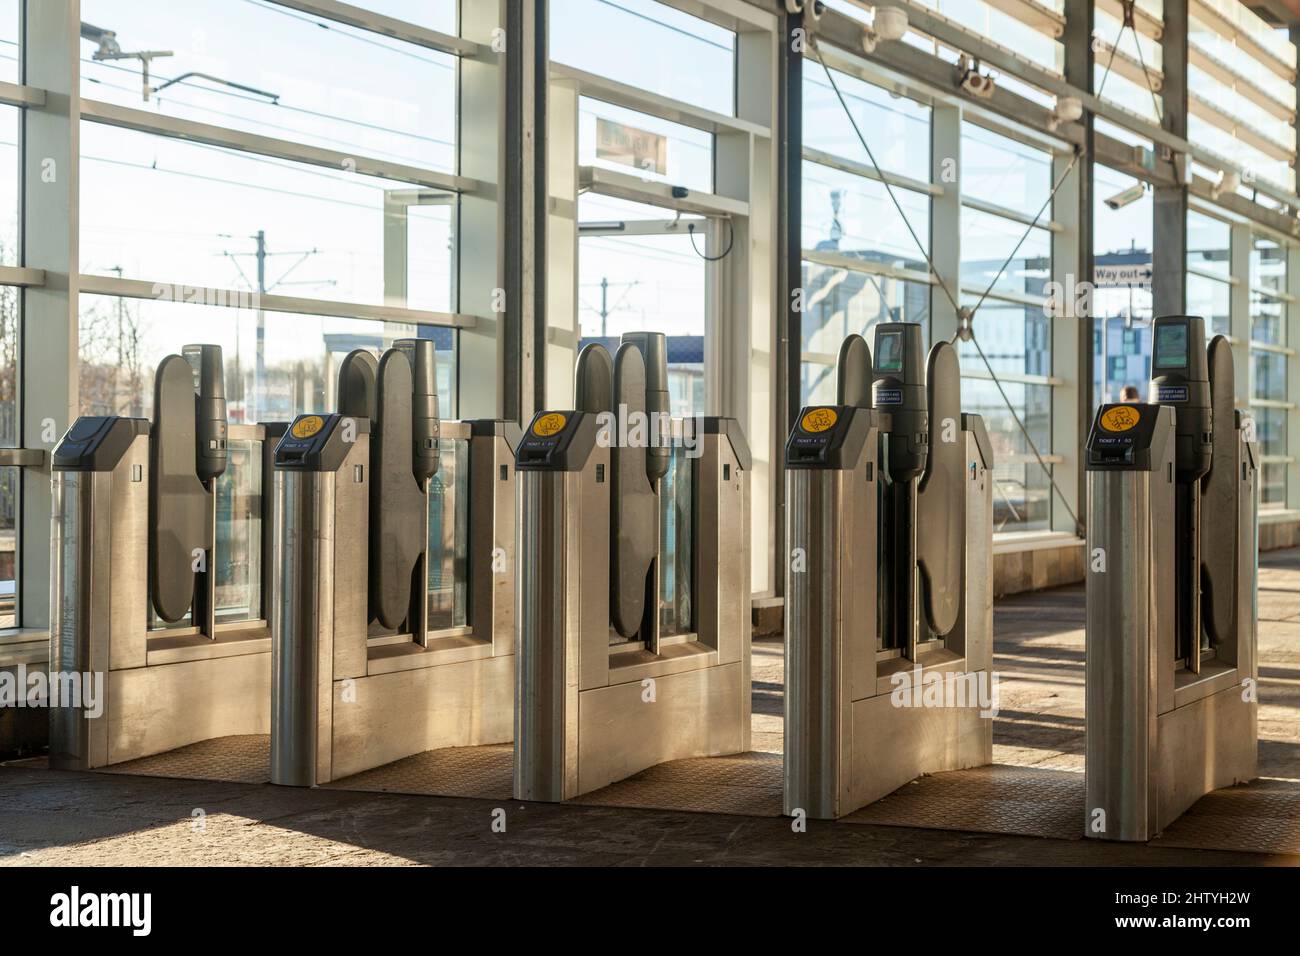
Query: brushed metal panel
pixel 196 647
pixel 492 531
pixel 1203 746
pixel 351 532
pixel 301 605
pixel 1121 658
pixel 127 514
pixel 831 626
pixel 545 702
pixel 588 538
pixel 386 717
pixel 155 709
pixel 693 716
pixel 671 659
pixel 71 644
pixel 722 535
pixel 407 655
pixel 894 745
pixel 972 636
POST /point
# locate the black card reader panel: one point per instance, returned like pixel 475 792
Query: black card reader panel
pixel 828 437
pixel 556 441
pixel 1122 437
pixel 319 442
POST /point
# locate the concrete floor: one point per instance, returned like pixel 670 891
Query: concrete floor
pixel 52 818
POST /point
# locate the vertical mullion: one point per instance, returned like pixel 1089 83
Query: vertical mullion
pixel 51 147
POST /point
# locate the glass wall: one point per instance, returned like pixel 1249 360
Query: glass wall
pixel 1209 266
pixel 861 265
pixel 1269 354
pixel 10 316
pixel 1123 227
pixel 1006 263
pixel 234 237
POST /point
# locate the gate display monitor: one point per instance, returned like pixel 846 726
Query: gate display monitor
pixel 1171 345
pixel 889 352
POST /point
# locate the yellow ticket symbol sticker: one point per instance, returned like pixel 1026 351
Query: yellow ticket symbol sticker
pixel 818 420
pixel 307 426
pixel 549 424
pixel 1120 418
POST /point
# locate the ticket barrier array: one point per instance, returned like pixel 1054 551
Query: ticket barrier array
pixel 157 574
pixel 633 594
pixel 1172 621
pixel 889 586
pixel 389 641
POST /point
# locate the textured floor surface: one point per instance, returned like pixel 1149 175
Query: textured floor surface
pixel 1023 809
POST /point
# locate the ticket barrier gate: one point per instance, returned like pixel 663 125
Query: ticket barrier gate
pixel 889 586
pixel 389 640
pixel 157 573
pixel 633 594
pixel 1171 589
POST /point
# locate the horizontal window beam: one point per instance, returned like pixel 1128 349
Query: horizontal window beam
pixel 1270 347
pixel 355 16
pixel 606 182
pixel 1014 215
pixel 1019 378
pixel 22 457
pixel 838 260
pixel 738 16
pixel 22 276
pixel 1243 86
pixel 15 95
pixel 640 227
pixel 125 117
pixel 243 299
pixel 867 171
pixel 1272 295
pixel 652 104
pixel 1223 26
pixel 1213 276
pixel 1145 24
pixel 1015 298
pixel 1271 403
pixel 1243 132
pixel 845 34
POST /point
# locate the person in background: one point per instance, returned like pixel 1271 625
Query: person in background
pixel 1129 393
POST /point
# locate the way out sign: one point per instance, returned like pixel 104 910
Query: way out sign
pixel 1121 276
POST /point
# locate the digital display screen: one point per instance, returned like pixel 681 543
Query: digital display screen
pixel 1171 345
pixel 889 352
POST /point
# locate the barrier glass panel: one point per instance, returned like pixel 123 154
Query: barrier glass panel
pixel 676 544
pixel 449 536
pixel 238 557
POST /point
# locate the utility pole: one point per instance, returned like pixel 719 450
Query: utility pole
pixel 606 310
pixel 262 287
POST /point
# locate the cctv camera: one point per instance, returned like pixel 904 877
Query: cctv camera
pixel 1127 197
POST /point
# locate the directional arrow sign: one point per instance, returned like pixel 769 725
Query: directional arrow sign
pixel 1122 276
